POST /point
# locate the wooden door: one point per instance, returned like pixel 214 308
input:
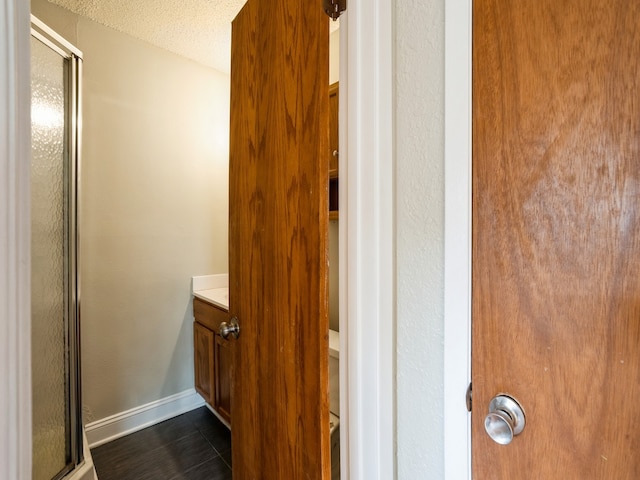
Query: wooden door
pixel 278 215
pixel 556 235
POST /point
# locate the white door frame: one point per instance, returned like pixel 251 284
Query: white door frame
pixel 457 263
pixel 367 243
pixel 15 245
pixel 367 230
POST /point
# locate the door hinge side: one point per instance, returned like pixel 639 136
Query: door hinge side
pixel 334 8
pixel 469 397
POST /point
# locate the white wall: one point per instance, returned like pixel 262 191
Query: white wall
pixel 419 135
pixel 334 56
pixel 153 211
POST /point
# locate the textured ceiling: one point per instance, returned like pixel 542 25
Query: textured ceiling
pixel 196 29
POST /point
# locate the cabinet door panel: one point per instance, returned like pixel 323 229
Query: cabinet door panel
pixel 204 361
pixel 223 376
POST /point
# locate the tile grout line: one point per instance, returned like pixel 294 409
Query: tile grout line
pixel 194 423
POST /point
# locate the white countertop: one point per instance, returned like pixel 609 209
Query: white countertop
pixel 212 288
pixel 217 296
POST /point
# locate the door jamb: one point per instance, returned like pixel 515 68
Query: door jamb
pixel 457 265
pixel 367 243
pixel 15 250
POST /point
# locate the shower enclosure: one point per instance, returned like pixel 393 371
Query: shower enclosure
pixel 57 425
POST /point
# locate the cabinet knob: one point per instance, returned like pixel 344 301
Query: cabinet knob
pixel 336 153
pixel 231 328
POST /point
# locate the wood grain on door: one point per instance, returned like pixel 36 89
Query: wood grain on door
pixel 278 229
pixel 556 235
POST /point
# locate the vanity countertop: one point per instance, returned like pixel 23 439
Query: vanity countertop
pixel 216 296
pixel 212 288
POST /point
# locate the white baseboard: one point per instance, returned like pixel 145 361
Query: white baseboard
pixel 123 423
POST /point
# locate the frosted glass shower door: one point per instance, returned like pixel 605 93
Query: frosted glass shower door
pixel 54 360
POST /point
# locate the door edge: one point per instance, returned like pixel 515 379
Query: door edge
pixel 457 263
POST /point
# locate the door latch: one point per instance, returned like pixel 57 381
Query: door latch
pixel 469 397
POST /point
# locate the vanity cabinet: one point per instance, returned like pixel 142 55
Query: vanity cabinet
pixel 334 148
pixel 212 357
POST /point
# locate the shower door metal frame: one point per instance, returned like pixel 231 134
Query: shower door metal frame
pixel 72 55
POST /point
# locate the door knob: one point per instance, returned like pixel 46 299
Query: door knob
pixel 232 328
pixel 505 419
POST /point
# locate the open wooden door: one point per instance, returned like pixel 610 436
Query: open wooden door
pixel 556 236
pixel 278 227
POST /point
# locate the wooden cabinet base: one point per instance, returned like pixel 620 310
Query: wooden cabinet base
pixel 213 364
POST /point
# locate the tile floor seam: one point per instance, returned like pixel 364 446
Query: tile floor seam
pixel 193 467
pixel 196 422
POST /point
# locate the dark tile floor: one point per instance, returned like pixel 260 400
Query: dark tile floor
pixel 192 446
